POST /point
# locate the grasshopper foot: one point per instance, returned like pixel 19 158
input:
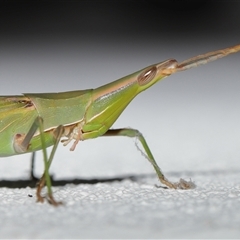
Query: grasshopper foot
pixel 53 202
pixel 49 198
pixel 167 183
pixel 40 186
pixel 182 184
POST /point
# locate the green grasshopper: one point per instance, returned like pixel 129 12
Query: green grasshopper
pixel 32 122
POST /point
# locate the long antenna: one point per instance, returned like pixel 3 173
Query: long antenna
pixel 202 59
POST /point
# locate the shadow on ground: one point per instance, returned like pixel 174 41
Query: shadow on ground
pixel 32 182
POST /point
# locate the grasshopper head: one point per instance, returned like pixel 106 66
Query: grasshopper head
pixel 108 101
pixel 154 73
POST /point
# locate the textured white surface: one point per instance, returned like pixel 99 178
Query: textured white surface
pixel 127 210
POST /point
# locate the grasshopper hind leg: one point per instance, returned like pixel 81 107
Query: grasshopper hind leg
pixel 21 143
pixel 40 183
pixel 45 179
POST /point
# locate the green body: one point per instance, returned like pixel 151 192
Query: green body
pixel 95 109
pixel 16 116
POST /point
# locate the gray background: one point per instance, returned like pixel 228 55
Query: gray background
pixel 190 120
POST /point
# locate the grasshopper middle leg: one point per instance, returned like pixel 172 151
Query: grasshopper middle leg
pixel 182 184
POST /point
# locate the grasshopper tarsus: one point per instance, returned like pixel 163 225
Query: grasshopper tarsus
pixel 40 186
pixel 53 202
pixel 49 197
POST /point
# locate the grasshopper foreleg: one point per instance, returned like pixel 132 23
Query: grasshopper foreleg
pixel 182 184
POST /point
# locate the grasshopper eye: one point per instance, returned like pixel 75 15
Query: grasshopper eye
pixel 147 76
